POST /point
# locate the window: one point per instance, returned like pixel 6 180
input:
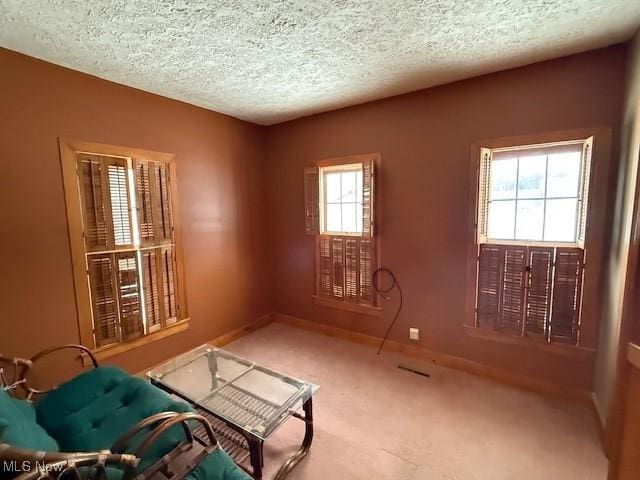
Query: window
pixel 531 228
pixel 339 212
pixel 341 197
pixel 534 194
pixel 121 221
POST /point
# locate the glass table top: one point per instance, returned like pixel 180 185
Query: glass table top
pixel 252 397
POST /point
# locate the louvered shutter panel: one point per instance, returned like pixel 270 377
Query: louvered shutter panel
pixel 162 202
pixel 567 291
pixel 490 267
pixel 583 199
pixel 145 196
pixel 366 267
pixel 169 285
pixel 120 207
pixel 368 198
pixel 513 283
pixel 484 180
pixel 324 266
pixel 95 202
pixel 337 267
pixel 129 296
pixel 103 298
pixel 351 269
pixel 311 201
pixel 150 282
pixel 539 285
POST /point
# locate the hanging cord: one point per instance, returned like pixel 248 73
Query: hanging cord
pixel 383 292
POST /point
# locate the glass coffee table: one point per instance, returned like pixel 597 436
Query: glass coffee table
pixel 244 402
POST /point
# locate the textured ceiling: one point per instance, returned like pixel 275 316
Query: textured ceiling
pixel 273 60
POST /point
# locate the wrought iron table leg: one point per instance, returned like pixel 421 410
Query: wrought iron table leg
pixel 255 456
pixel 306 443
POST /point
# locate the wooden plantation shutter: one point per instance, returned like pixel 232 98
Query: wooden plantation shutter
pixel 530 290
pixel 95 198
pixel 367 259
pixel 131 273
pixel 103 298
pixel 345 267
pixel 129 296
pixel 151 288
pixel 104 193
pixel 311 201
pixel 345 262
pixel 513 280
pixel 368 197
pixel 162 202
pixel 538 300
pixel 145 197
pixel 567 291
pixel 484 180
pixel 490 266
pixel 583 197
pixel 168 285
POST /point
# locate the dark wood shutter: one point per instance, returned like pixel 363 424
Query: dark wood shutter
pixel 169 285
pixel 131 324
pixel 311 201
pixel 490 267
pixel 351 269
pixel 368 198
pixel 94 196
pixel 120 208
pixel 513 282
pixel 324 266
pixel 567 292
pixel 337 267
pixel 162 202
pixel 367 258
pixel 150 282
pixel 103 299
pixel 539 288
pixel 145 195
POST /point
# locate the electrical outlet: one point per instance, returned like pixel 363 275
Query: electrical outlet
pixel 414 334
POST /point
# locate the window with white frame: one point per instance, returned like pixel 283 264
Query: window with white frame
pixel 341 199
pixel 531 228
pixel 534 194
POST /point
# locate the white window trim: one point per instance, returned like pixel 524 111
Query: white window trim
pixel 484 183
pixel 347 167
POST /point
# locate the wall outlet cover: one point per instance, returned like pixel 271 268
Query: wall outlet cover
pixel 414 334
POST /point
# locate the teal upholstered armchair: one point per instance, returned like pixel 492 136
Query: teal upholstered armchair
pixel 103 424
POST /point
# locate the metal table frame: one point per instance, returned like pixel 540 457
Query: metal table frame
pixel 247 444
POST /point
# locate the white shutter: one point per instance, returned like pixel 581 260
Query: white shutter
pixel 583 198
pixel 484 179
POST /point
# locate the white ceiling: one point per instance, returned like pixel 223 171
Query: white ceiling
pixel 268 61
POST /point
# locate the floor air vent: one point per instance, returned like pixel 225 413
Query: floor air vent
pixel 413 370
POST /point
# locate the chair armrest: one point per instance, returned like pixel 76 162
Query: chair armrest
pixel 33 391
pixel 40 464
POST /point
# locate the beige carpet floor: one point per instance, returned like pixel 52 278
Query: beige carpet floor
pixel 375 421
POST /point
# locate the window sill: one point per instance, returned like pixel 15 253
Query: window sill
pixel 118 348
pixel 351 307
pixel 532 343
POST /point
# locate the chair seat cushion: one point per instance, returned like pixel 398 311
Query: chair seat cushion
pixel 18 425
pixel 217 466
pixel 93 410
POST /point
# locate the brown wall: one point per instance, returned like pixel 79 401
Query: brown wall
pixel 220 188
pixel 425 139
pixel 620 292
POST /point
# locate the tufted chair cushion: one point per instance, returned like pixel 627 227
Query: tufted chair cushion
pixel 18 425
pixel 93 410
